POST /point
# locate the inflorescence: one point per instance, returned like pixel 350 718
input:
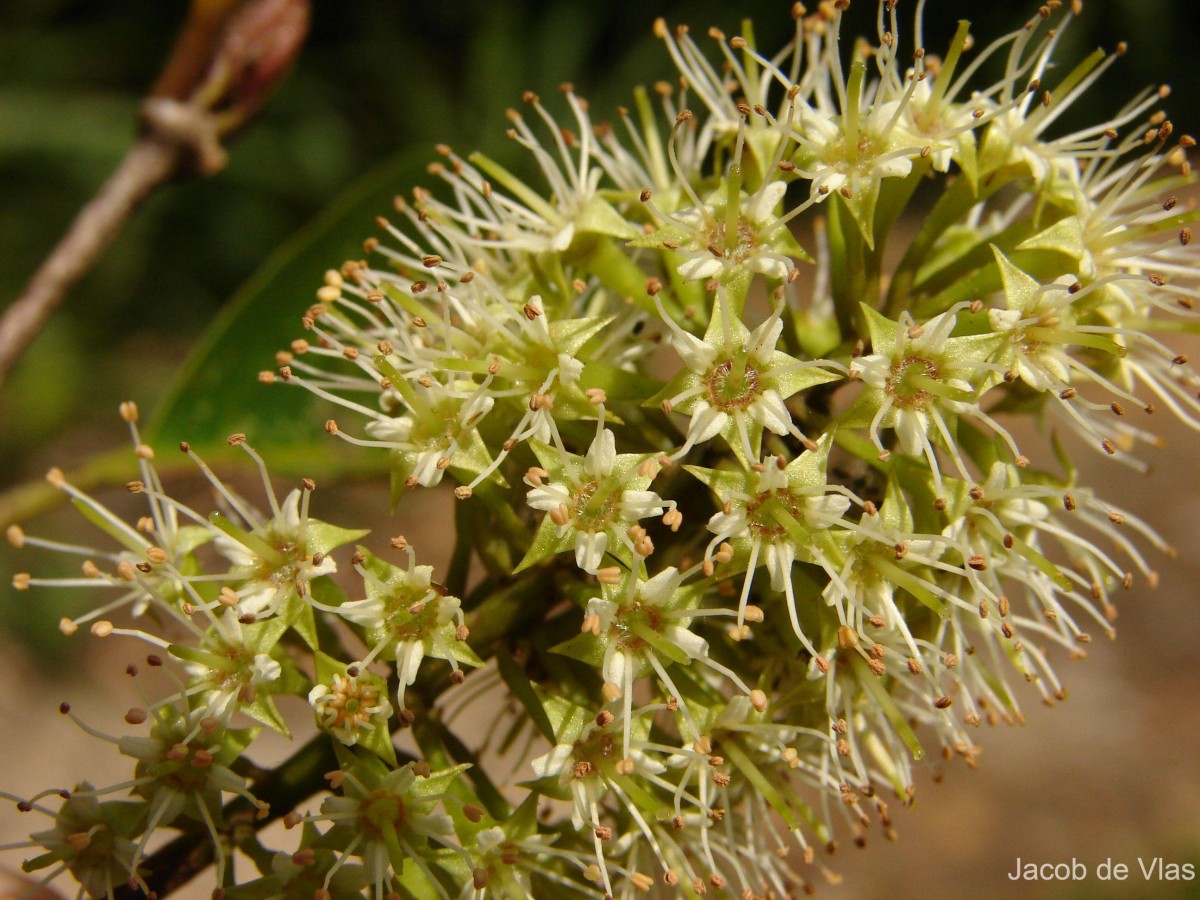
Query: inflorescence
pixel 753 534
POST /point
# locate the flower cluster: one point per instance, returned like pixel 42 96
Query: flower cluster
pixel 645 388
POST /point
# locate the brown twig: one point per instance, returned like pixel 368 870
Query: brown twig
pixel 149 163
pixel 229 58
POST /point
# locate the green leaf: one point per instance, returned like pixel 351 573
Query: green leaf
pixel 523 691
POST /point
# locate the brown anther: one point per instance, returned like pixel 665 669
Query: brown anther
pixel 641 881
pixel 609 575
pixel 129 411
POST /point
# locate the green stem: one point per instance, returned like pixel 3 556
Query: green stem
pixel 460 560
pixel 847 275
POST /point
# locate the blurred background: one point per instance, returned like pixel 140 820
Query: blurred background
pixel 1114 772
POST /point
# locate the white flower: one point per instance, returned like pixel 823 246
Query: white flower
pixel 595 501
pixel 348 708
pixel 761 244
pixel 920 379
pixel 275 558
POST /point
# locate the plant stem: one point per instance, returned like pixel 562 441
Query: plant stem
pixel 175 864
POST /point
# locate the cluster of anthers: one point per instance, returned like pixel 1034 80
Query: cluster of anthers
pixel 710 298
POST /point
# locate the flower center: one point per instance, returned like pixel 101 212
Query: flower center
pixel 286 572
pixel 350 703
pixel 908 382
pixel 593 754
pixel 761 509
pixel 847 157
pixel 631 621
pixel 733 387
pixel 594 508
pixel 412 617
pixel 380 812
pixel 735 248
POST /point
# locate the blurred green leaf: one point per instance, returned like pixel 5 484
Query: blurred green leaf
pixel 89 130
pixel 217 391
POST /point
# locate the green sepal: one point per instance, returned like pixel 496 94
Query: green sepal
pixel 321 537
pixel 599 217
pixel 1065 236
pixel 438 782
pixel 1021 290
pixel 296 613
pixel 546 543
pixel 862 210
pixel 263 709
pixel 585 647
pixel 894 513
pixel 566 718
pixel 249 540
pixel 569 335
